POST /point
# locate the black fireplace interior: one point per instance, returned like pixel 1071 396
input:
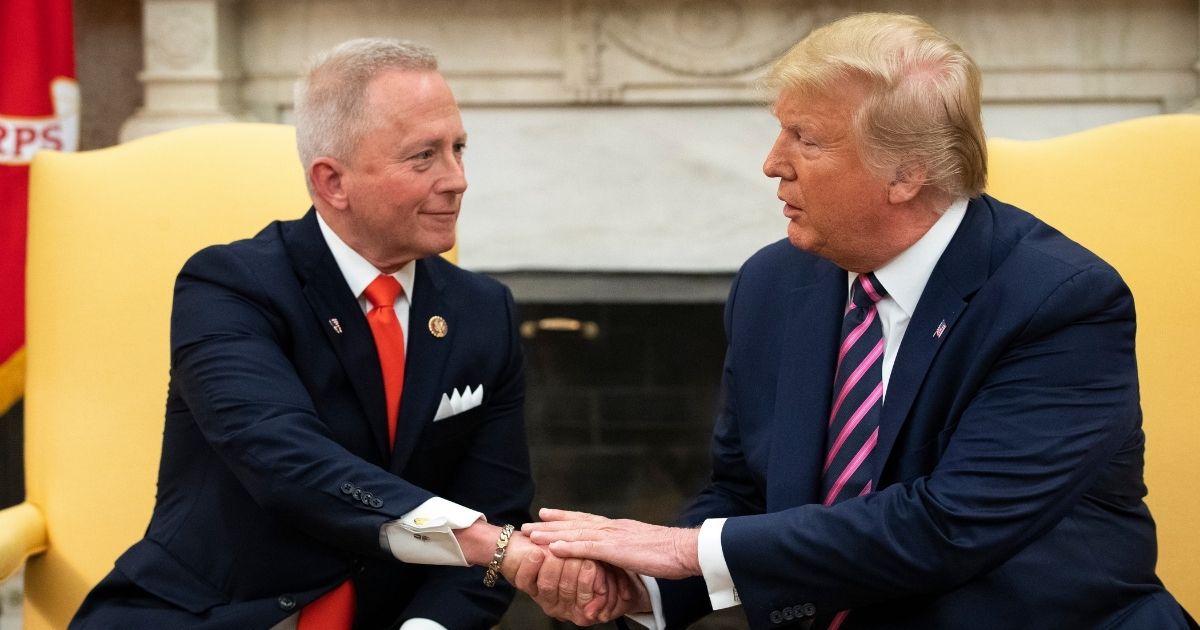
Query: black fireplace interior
pixel 620 401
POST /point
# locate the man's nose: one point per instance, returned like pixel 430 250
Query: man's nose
pixel 455 178
pixel 776 166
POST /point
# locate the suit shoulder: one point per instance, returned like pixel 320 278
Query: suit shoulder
pixel 259 254
pixel 1036 243
pixel 469 282
pixel 779 262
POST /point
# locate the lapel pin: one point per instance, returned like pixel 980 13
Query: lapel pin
pixel 438 326
pixel 940 329
pixel 337 326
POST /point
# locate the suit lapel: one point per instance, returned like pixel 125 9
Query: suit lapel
pixel 425 360
pixel 804 388
pixel 960 272
pixel 343 321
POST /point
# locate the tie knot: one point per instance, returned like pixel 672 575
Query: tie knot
pixel 867 290
pixel 383 291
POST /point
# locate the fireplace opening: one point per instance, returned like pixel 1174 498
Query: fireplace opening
pixel 623 376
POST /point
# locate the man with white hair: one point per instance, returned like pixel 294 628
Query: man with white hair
pixel 930 412
pixel 344 424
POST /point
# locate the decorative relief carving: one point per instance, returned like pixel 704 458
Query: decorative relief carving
pixel 709 23
pixel 178 37
pixel 705 38
pixel 585 67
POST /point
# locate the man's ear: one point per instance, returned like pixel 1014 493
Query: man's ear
pixel 907 184
pixel 326 175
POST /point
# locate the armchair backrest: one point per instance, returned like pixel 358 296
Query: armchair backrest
pixel 108 231
pixel 1131 193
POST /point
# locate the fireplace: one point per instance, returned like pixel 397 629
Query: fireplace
pixel 623 375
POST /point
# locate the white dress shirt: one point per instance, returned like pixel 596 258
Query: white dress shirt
pixel 436 518
pixel 904 278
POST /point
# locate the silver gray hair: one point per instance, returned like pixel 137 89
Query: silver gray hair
pixel 330 99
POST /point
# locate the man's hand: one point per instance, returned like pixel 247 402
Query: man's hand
pixel 580 591
pixel 652 550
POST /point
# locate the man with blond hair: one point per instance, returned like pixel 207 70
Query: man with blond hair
pixel 344 425
pixel 930 412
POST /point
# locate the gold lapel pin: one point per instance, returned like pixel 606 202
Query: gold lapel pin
pixel 438 326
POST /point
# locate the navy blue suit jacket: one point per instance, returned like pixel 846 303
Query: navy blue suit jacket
pixel 1009 461
pixel 276 474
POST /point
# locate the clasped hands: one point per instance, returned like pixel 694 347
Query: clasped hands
pixel 584 568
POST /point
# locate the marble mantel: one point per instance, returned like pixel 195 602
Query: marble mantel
pixel 624 135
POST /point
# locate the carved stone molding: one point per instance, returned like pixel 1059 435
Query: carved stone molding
pixel 192 66
pixel 706 38
pixel 177 36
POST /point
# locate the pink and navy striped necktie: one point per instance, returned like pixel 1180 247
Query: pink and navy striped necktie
pixel 858 397
pixel 857 402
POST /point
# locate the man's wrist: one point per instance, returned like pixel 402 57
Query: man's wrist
pixel 478 542
pixel 687 550
pixel 493 569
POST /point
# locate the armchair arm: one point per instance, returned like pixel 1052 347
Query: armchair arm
pixel 22 534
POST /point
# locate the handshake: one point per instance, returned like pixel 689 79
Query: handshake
pixel 584 568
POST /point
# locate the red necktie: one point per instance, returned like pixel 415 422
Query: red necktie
pixel 389 341
pixel 335 610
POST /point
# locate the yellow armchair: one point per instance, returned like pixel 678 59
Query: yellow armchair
pixel 109 229
pixel 1131 193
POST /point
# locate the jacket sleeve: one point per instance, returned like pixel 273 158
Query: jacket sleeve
pixel 229 362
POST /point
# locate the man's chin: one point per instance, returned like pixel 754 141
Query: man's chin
pixel 799 238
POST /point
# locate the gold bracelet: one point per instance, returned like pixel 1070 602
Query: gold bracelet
pixel 489 578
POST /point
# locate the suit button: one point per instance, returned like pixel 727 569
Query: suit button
pixel 776 616
pixel 808 610
pixel 366 498
pixel 286 602
pixel 347 488
pixel 376 502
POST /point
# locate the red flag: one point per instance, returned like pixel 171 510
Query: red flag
pixel 39 109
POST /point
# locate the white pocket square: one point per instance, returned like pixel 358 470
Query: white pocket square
pixel 455 403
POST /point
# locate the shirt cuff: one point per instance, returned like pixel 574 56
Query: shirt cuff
pixel 421 623
pixel 654 620
pixel 721 591
pixel 425 535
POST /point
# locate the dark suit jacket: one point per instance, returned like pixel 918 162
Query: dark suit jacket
pixel 1009 461
pixel 276 433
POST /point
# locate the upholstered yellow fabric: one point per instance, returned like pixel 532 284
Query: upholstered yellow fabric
pixel 1131 193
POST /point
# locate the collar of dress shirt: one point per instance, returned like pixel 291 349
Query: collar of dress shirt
pixel 906 275
pixel 358 272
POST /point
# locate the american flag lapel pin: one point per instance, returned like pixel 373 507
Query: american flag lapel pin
pixel 337 326
pixel 941 328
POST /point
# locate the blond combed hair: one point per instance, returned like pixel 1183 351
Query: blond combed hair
pixel 922 108
pixel 330 99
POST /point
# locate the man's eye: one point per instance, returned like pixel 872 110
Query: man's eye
pixel 424 155
pixel 459 147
